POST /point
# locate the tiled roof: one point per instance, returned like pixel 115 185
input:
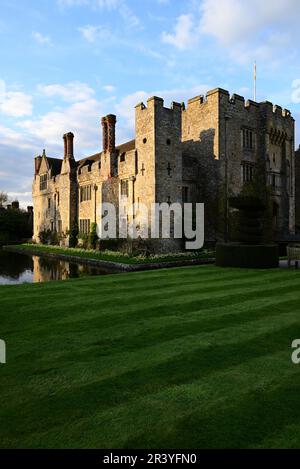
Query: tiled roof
pixel 55 165
pixel 128 146
pixel 125 147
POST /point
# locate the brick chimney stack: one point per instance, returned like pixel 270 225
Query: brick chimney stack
pixel 109 133
pixel 65 146
pixel 69 145
pixel 111 121
pixel 37 164
pixel 104 133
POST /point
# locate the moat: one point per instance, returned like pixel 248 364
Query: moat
pixel 18 268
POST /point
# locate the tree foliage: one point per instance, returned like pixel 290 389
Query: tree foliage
pixel 15 225
pixel 3 198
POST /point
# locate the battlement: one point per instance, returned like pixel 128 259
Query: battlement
pixel 249 103
pixel 198 99
pixel 219 91
pixel 158 103
pixel 236 101
pixel 271 108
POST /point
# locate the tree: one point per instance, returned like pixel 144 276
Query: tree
pixel 3 198
pixel 93 237
pixel 14 226
pixel 73 236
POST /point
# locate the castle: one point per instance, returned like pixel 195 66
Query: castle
pixel 179 154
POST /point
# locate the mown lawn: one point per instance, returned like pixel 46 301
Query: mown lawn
pixel 197 357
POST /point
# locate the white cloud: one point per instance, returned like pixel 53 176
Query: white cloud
pixel 184 35
pixel 248 29
pixel 120 6
pixel 82 118
pixel 2 91
pixel 16 104
pixel 128 16
pixel 71 92
pixel 19 146
pixel 233 20
pixel 94 33
pixel 109 88
pixel 253 29
pixel 296 91
pixel 126 107
pixel 24 198
pixel 13 138
pixel 41 38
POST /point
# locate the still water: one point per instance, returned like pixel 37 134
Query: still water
pixel 21 268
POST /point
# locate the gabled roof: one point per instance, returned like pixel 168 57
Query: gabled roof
pixel 55 165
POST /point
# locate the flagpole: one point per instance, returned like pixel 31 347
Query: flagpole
pixel 255 82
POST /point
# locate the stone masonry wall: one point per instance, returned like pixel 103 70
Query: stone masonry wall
pixel 179 153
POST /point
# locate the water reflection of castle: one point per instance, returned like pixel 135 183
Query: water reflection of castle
pixel 18 268
pixel 45 270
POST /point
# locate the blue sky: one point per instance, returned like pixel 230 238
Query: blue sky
pixel 66 63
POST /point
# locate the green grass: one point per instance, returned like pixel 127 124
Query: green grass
pixel 196 357
pixel 115 256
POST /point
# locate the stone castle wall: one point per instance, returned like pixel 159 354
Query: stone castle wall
pixel 180 154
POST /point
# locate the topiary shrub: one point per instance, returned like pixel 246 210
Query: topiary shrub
pixel 247 256
pixel 250 218
pixel 249 250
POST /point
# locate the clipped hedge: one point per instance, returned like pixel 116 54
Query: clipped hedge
pixel 247 256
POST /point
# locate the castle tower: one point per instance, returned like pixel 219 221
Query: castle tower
pixel 159 155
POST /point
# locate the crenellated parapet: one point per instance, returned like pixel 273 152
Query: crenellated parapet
pixel 236 102
pixel 156 102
